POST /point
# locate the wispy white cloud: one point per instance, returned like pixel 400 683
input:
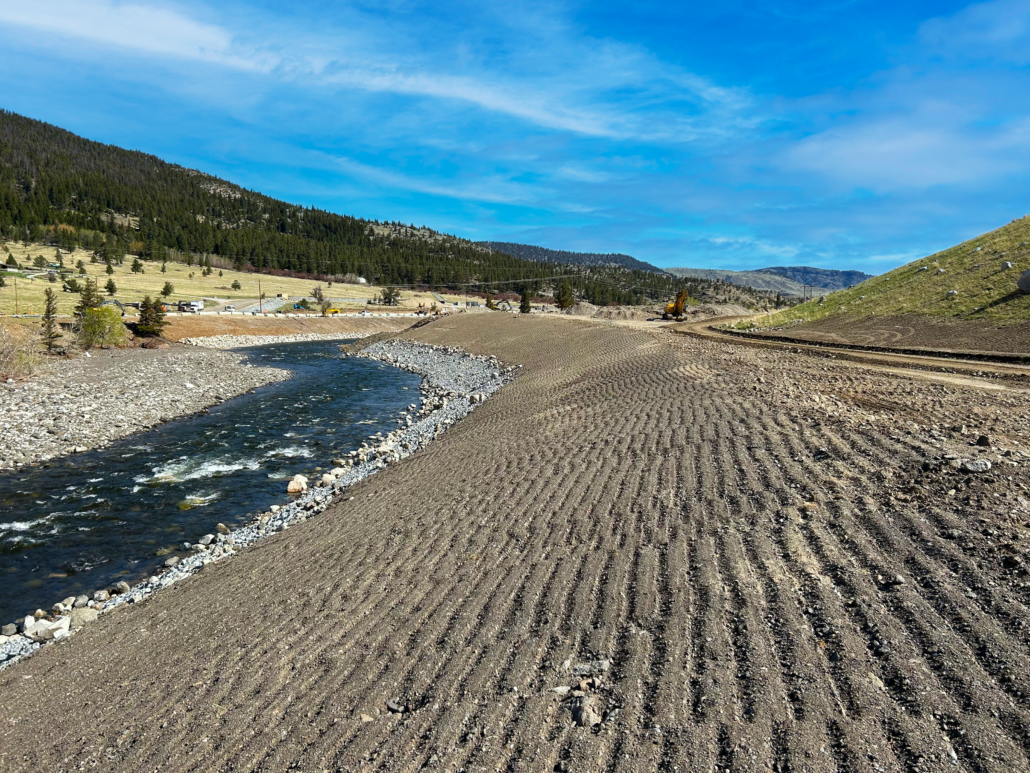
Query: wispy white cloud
pixel 495 189
pixel 893 154
pixel 994 30
pixel 147 29
pixel 599 88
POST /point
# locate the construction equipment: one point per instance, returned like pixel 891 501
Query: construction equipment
pixel 674 310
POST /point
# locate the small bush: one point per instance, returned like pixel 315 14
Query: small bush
pixel 101 327
pixel 16 357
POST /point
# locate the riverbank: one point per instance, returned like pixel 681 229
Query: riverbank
pixel 349 326
pixel 240 341
pixel 76 405
pixel 453 383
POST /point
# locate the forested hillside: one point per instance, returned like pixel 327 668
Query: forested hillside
pixel 66 190
pixel 531 252
pixel 787 280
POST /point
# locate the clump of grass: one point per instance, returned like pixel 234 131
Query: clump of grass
pixel 17 356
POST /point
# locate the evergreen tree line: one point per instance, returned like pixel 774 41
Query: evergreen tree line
pixel 68 191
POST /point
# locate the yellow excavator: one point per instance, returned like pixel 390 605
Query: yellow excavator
pixel 674 310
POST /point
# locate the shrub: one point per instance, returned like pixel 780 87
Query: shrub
pixel 236 284
pixel 16 357
pixel 101 327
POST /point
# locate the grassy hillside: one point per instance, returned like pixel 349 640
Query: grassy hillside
pixel 788 280
pixel 132 287
pixel 985 290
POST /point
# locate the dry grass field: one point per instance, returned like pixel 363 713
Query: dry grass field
pixel 776 553
pixel 132 287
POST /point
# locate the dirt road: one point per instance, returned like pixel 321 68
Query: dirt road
pixel 772 550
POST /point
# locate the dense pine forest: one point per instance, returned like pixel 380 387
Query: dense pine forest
pixel 63 189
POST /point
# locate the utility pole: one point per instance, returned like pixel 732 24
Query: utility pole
pixel 16 295
pixel 261 297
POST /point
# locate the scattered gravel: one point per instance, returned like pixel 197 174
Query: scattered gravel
pixel 235 342
pixel 453 383
pixel 86 403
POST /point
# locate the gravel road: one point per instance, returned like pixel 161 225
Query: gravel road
pixel 648 552
pixel 84 403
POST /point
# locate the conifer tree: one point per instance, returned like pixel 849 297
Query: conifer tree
pixel 524 307
pixel 111 287
pixel 168 289
pixel 564 297
pixel 49 325
pixel 89 298
pixel 151 318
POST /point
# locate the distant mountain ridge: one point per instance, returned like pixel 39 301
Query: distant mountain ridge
pixel 788 280
pixel 818 277
pixel 531 252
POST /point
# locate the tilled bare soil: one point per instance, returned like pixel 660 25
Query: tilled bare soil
pixel 912 332
pixel 772 550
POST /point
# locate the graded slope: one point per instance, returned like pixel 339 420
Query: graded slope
pixel 970 281
pixel 727 526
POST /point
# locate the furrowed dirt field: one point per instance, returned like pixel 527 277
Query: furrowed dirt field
pixel 771 549
pixel 912 332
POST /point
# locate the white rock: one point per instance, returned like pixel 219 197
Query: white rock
pixel 44 630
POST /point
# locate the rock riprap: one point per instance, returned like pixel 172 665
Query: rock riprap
pixel 77 405
pixel 237 341
pixel 453 383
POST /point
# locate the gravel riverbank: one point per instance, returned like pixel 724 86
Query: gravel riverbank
pixel 86 403
pixel 453 383
pixel 237 341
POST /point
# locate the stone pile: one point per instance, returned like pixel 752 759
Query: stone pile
pixel 453 383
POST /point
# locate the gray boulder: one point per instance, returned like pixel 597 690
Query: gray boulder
pixel 79 617
pixel 1023 283
pixel 976 465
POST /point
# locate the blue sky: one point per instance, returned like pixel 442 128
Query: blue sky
pixel 731 135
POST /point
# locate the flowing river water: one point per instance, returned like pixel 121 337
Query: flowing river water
pixel 81 523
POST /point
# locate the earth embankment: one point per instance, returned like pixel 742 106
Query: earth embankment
pixel 967 337
pixel 204 325
pixel 762 560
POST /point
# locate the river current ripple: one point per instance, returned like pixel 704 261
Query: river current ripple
pixel 84 522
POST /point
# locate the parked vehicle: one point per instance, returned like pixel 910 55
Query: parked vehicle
pixel 229 307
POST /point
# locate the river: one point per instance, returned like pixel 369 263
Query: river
pixel 81 523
